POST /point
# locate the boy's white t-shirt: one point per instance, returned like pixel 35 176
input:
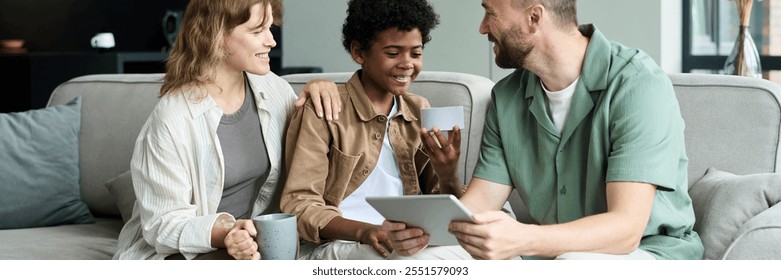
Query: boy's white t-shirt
pixel 384 180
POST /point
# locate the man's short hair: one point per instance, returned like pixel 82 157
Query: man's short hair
pixel 565 11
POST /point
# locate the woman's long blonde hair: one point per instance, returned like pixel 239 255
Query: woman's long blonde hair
pixel 198 46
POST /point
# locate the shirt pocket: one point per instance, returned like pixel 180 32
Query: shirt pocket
pixel 421 160
pixel 341 167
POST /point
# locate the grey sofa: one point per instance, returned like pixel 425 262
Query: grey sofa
pixel 733 124
pixel 115 106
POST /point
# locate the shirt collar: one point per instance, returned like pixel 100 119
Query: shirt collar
pixel 254 84
pixel 363 106
pixel 207 103
pixel 198 102
pixel 596 66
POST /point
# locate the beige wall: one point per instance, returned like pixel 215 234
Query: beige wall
pixel 312 33
pixel 654 26
pixel 312 37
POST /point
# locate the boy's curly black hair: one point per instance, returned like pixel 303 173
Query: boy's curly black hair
pixel 367 18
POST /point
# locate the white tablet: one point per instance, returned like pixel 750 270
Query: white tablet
pixel 431 212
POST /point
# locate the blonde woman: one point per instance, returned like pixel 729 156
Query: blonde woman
pixel 209 156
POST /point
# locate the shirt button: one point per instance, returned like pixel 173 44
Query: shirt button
pixel 365 172
pixel 382 119
pixel 563 190
pixel 377 136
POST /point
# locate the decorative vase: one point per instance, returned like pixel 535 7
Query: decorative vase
pixel 744 58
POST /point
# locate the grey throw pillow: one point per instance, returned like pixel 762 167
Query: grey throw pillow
pixel 39 167
pixel 121 189
pixel 724 202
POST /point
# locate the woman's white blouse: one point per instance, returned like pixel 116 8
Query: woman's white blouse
pixel 178 168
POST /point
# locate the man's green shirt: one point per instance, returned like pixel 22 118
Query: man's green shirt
pixel 624 124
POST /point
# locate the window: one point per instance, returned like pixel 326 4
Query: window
pixel 710 29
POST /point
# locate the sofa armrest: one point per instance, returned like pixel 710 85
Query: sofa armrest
pixel 733 123
pixel 759 238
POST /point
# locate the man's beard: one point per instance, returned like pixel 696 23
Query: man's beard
pixel 511 54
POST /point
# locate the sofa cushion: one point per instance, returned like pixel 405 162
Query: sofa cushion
pixel 115 108
pixel 97 241
pixel 759 238
pixel 723 202
pixel 39 167
pixel 121 189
